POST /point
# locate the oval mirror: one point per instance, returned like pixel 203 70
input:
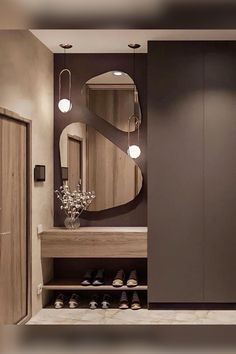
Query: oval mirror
pixel 90 158
pixel 112 97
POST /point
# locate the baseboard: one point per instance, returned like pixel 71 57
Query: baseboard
pixel 192 306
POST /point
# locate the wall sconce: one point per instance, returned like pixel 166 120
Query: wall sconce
pixel 134 151
pixel 65 104
pixel 39 173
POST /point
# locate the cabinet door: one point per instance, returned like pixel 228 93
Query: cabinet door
pixel 175 172
pixel 13 235
pixel 220 172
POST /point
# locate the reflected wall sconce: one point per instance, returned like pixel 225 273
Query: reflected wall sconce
pixel 134 151
pixel 64 103
pixel 64 173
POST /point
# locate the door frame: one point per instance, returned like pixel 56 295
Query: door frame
pixel 80 140
pixel 14 116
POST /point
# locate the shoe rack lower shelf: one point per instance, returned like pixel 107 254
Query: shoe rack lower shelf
pixel 69 284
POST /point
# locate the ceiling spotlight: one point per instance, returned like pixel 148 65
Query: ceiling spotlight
pixel 117 73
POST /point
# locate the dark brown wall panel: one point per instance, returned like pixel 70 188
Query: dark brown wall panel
pixel 220 172
pixel 192 172
pixel 84 67
pixel 175 172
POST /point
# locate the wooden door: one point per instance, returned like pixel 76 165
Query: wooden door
pixel 13 227
pixel 74 162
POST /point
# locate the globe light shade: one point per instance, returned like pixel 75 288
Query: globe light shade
pixel 65 105
pixel 134 151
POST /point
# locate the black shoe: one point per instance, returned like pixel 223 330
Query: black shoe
pixel 124 303
pixel 135 304
pixel 74 301
pixel 99 278
pixel 93 304
pixel 106 301
pixel 119 279
pixel 87 278
pixel 60 301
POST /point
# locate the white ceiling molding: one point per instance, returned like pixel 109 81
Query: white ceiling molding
pixel 116 41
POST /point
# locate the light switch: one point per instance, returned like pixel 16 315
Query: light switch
pixel 39 289
pixel 39 173
pixel 39 229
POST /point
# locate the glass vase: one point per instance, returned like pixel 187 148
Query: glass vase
pixel 72 223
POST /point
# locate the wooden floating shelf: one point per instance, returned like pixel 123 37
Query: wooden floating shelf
pixel 68 284
pixel 95 242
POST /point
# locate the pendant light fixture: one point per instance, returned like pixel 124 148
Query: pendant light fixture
pixel 64 103
pixel 134 151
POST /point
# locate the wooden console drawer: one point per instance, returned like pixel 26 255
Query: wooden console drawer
pixel 95 242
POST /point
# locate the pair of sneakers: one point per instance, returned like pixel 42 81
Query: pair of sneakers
pixel 119 279
pixel 61 301
pixel 92 277
pixel 105 303
pixel 124 301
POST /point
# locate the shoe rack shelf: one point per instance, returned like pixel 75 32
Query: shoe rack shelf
pixel 67 254
pixel 69 284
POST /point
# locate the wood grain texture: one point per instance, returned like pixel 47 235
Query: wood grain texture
pixel 115 105
pixel 74 162
pixel 111 173
pixel 95 242
pixel 13 223
pixel 13 115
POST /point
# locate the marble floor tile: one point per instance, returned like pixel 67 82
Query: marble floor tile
pixel 129 317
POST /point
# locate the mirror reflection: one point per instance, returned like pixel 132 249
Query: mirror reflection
pixel 111 97
pixel 90 158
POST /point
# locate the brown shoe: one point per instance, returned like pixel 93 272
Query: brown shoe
pixel 119 279
pixel 135 304
pixel 133 279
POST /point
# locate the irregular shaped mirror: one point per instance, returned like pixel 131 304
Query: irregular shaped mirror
pixel 90 158
pixel 112 97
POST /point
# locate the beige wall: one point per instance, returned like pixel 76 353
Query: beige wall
pixel 26 87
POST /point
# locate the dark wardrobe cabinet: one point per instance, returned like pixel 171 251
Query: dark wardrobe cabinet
pixel 192 172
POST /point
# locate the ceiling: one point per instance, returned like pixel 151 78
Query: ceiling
pixel 118 14
pixel 116 41
pixel 88 7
